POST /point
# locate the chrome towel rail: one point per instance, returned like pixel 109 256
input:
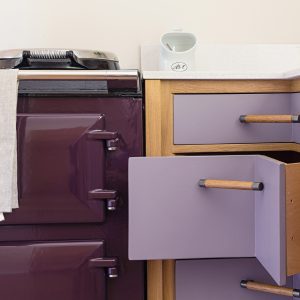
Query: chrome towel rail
pixel 78 75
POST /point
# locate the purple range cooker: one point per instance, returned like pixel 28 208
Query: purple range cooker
pixel 79 120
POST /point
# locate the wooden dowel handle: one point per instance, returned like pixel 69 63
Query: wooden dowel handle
pixel 270 119
pixel 231 184
pixel 267 288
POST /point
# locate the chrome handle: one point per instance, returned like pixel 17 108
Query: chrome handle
pixel 111 138
pixel 110 196
pixel 131 75
pixel 102 134
pixel 109 263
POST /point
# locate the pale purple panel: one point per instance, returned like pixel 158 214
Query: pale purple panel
pixel 270 217
pixel 214 118
pixel 295 104
pixel 219 279
pixel 170 216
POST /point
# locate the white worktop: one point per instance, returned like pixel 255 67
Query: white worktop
pixel 219 75
pixel 221 62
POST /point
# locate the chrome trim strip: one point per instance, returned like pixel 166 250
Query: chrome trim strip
pixel 78 74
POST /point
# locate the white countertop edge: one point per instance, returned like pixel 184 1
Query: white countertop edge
pixel 219 75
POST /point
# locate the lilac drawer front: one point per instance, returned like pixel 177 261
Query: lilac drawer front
pixel 171 217
pixel 219 279
pixel 214 118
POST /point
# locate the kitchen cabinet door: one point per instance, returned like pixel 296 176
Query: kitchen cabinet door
pixel 61 271
pixel 61 165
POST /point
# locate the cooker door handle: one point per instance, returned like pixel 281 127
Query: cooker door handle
pixel 111 138
pixel 108 263
pixel 231 184
pixel 270 118
pixel 111 197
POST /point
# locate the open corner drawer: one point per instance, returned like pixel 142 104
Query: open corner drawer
pixel 216 207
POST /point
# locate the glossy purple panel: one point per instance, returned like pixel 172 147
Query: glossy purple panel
pixel 214 118
pixel 51 271
pixel 171 217
pixel 270 217
pixel 220 279
pixel 124 115
pixel 57 168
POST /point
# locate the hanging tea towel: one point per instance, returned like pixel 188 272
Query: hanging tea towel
pixel 8 141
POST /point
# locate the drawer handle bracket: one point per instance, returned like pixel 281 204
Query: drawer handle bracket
pixel 110 196
pixel 109 263
pixel 231 184
pixel 267 288
pixel 270 118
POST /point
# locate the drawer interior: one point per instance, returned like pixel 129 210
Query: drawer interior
pixel 292 203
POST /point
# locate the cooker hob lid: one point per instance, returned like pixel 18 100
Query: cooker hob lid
pixel 58 59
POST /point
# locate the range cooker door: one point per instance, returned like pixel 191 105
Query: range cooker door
pixel 60 271
pixel 61 164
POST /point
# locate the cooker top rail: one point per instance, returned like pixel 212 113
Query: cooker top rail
pixel 116 82
pixel 78 75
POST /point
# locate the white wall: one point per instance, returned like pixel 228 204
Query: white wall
pixel 122 25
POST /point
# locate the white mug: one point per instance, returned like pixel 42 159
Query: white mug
pixel 178 51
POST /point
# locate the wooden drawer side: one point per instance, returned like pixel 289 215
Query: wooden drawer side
pixel 270 217
pixel 293 218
